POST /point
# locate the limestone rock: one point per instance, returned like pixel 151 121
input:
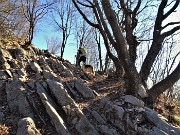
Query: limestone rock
pixel 3 62
pixel 18 53
pixel 35 67
pixel 16 98
pixel 18 74
pixel 84 127
pixel 107 131
pixel 98 117
pixel 157 131
pixel 45 66
pixel 1 116
pixel 9 73
pixel 41 90
pixel 60 93
pixel 162 125
pixel 26 126
pixel 83 89
pixel 3 75
pixel 142 91
pixel 133 100
pixel 57 120
pixel 64 71
pixel 119 111
pixel 50 76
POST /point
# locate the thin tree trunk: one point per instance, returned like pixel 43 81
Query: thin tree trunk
pixel 100 59
pixel 163 85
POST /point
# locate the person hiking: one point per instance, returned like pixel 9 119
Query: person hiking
pixel 81 55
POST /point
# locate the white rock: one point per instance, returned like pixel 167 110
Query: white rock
pixel 35 67
pixel 142 91
pixel 57 120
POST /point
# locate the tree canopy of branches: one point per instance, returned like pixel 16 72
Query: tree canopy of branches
pixel 53 45
pixel 112 28
pixel 12 22
pixel 63 18
pixel 33 12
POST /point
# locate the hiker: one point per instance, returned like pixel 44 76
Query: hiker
pixel 81 55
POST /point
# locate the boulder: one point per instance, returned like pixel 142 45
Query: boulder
pixel 106 131
pixel 35 67
pixel 161 124
pixel 56 119
pixel 26 126
pixel 82 88
pixel 16 98
pixel 133 100
pixel 60 93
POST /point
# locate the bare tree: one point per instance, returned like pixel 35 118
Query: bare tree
pixel 63 17
pixel 53 45
pixel 33 12
pixel 112 33
pixel 12 22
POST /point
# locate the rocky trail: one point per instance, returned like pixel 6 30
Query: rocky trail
pixel 40 94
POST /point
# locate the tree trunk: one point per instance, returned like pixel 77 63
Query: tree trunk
pixel 133 77
pixel 163 85
pixel 107 35
pixel 106 62
pixel 63 45
pixel 130 24
pixel 99 50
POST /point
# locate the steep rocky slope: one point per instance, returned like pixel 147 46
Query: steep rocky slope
pixel 40 94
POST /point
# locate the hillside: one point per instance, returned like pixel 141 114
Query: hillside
pixel 40 94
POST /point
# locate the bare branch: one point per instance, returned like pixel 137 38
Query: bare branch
pixel 84 16
pixel 174 61
pixel 171 23
pixel 171 10
pixel 166 83
pixel 84 4
pixel 168 33
pixel 137 7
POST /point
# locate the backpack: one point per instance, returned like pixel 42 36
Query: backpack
pixel 83 50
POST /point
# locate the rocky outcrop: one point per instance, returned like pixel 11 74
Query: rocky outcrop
pixel 40 94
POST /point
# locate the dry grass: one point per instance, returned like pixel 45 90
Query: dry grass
pixel 170 109
pixel 4 130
